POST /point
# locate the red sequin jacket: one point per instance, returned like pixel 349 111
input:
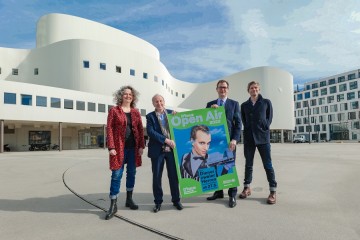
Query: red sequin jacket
pixel 116 129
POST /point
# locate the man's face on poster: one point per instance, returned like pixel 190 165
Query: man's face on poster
pixel 201 143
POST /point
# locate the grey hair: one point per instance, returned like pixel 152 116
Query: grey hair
pixel 157 95
pixel 120 93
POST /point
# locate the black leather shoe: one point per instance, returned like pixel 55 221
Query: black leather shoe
pixel 178 206
pixel 157 208
pixel 232 202
pixel 216 195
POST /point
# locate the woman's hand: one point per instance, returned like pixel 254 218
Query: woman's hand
pixel 141 151
pixel 112 152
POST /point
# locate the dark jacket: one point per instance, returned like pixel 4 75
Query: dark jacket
pixel 232 111
pixel 156 137
pixel 257 120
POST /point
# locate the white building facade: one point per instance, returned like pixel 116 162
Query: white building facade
pixel 60 92
pixel 328 109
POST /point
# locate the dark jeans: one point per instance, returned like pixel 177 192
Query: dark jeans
pixel 265 153
pixel 157 170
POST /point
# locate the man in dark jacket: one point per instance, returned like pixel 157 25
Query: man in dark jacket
pixel 232 111
pixel 256 114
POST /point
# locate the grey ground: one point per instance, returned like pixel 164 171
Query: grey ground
pixel 318 198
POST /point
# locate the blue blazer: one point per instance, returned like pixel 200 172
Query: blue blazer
pixel 232 111
pixel 157 139
pixel 257 120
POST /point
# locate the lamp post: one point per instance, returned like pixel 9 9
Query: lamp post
pixel 309 130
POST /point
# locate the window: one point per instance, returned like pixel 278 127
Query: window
pixel 305 120
pixel 55 102
pixel 321 118
pixel 9 98
pixel 340 97
pixel 332 89
pixel 331 117
pixel 330 99
pixel 324 109
pixel 68 104
pixel 342 87
pixel 351 76
pixel 333 108
pixel 143 112
pixel 321 101
pixel 358 94
pixel 307 95
pixel 183 95
pixel 132 72
pixel 343 106
pixel 322 83
pixel 331 81
pixel 299 96
pixel 355 125
pixel 162 82
pixel 80 105
pixel 26 99
pixel 103 66
pixel 323 91
pixel 308 128
pixel 308 87
pixel 316 110
pixel 354 105
pixel 341 117
pixel 313 119
pixel 118 69
pixel 298 121
pixel 350 95
pixel 145 75
pixel 36 71
pixel 0 70
pixel 341 79
pixel 314 85
pixel 101 107
pixel 353 85
pixel 313 102
pixel 323 126
pixel 298 105
pixel 41 101
pixel 301 129
pixel 176 94
pixel 315 93
pixel 86 64
pixel 300 113
pixel 15 71
pixel 91 107
pixel 351 115
pixel 156 79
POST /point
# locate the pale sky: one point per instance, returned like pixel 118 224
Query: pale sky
pixel 204 40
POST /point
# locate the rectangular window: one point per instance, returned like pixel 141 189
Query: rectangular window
pixel 80 105
pixel 36 71
pixel 343 106
pixel 341 117
pixel 143 112
pixel 333 108
pixel 323 126
pixel 183 95
pixel 331 117
pixel 176 94
pixel 314 85
pixel 331 81
pixel 321 101
pixel 86 64
pixel 351 115
pixel 145 75
pixel 353 85
pixel 332 89
pixel 305 120
pixel 316 110
pixel 15 71
pixel 300 113
pixel 9 98
pixel 313 102
pixel 298 121
pixel 101 107
pixel 55 102
pixel 315 93
pixel 156 79
pixel 341 79
pixel 351 76
pixel 342 87
pixel 323 91
pixel 298 105
pixel 321 118
pixel 330 99
pixel 103 66
pixel 118 69
pixel 340 97
pixel 68 104
pixel 162 82
pixel 301 129
pixel 307 95
pixel 308 128
pixel 41 101
pixel 324 109
pixel 350 95
pixel 322 83
pixel 26 99
pixel 132 72
pixel 91 107
pixel 354 105
pixel 308 87
pixel 0 70
pixel 299 96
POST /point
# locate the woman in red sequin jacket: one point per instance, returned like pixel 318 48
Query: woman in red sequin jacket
pixel 125 141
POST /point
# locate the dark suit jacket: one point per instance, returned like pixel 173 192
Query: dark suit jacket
pixel 156 137
pixel 257 120
pixel 232 111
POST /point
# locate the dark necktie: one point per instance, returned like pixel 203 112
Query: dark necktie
pixel 221 102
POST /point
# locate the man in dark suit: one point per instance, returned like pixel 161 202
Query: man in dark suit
pixel 256 114
pixel 232 111
pixel 161 151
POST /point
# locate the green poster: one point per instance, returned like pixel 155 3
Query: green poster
pixel 204 162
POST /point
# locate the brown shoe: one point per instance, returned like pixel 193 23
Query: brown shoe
pixel 272 198
pixel 245 193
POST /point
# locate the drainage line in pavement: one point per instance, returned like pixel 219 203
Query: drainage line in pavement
pixel 168 236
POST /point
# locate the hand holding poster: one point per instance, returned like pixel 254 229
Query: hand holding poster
pixel 204 162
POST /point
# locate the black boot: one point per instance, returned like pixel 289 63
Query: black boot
pixel 112 210
pixel 129 201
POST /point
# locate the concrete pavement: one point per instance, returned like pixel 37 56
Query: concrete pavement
pixel 318 198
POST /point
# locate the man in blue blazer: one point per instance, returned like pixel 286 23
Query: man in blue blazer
pixel 256 114
pixel 160 150
pixel 232 111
